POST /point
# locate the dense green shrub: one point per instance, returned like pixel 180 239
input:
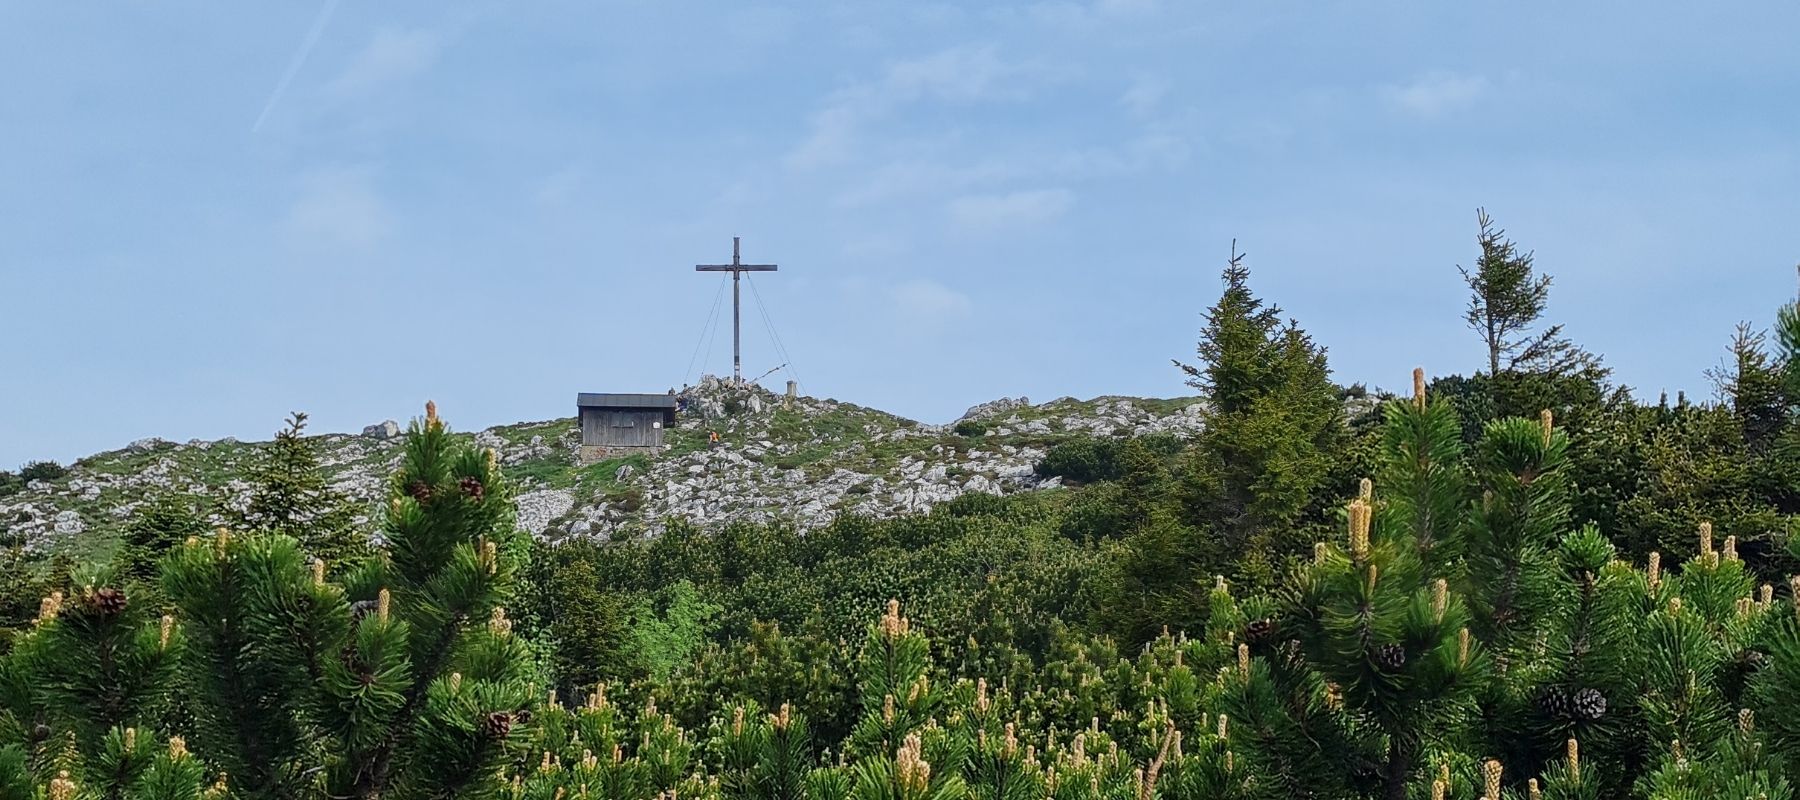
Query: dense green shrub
pixel 1088 459
pixel 971 428
pixel 42 471
pixel 1081 460
pixel 1440 646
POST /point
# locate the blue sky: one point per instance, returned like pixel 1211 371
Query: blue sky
pixel 496 205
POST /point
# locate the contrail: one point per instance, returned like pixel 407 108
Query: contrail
pixel 306 46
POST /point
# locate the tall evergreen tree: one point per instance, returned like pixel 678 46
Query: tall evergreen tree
pixel 1263 462
pixel 292 497
pixel 161 525
pixel 1507 298
pixel 1753 383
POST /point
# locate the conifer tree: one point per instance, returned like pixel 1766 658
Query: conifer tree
pixel 1372 628
pixel 1507 298
pixel 897 695
pixel 77 689
pixel 403 681
pixel 161 525
pixel 291 497
pixel 1275 420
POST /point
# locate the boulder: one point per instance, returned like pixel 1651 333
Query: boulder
pixel 996 407
pixel 385 429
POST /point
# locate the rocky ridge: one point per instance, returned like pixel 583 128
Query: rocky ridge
pixel 804 461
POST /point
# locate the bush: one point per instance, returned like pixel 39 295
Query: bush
pixel 1083 460
pixel 1089 459
pixel 971 428
pixel 42 471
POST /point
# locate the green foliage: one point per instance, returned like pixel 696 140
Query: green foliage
pixel 291 497
pixel 286 684
pixel 1088 459
pixel 590 626
pixel 1261 470
pixel 42 471
pixel 1518 594
pixel 668 633
pixel 161 525
pixel 971 428
pixel 1506 299
pixel 1464 617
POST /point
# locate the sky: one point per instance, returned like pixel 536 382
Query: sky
pixel 213 214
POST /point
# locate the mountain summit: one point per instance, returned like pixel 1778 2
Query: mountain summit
pixel 804 461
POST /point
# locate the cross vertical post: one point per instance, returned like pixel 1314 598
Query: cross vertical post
pixel 737 268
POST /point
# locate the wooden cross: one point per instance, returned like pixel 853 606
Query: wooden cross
pixel 737 269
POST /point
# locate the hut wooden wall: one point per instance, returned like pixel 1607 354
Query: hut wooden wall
pixel 621 427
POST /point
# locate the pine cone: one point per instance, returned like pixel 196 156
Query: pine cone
pixel 1588 705
pixel 1390 657
pixel 1292 652
pixel 360 609
pixel 1554 701
pixel 106 602
pixel 496 725
pixel 1259 631
pixel 472 488
pixel 419 490
pixel 1751 660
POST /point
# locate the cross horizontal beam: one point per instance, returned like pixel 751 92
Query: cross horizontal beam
pixel 737 269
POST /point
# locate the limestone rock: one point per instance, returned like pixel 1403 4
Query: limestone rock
pixel 813 461
pixel 994 408
pixel 385 429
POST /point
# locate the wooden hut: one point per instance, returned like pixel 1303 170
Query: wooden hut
pixel 614 425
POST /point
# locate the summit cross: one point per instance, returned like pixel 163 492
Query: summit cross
pixel 737 268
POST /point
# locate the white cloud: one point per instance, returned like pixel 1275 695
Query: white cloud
pixel 911 177
pixel 901 178
pixel 1436 93
pixel 1079 15
pixel 966 74
pixel 1127 6
pixel 929 300
pixel 874 247
pixel 391 57
pixel 1145 94
pixel 960 74
pixel 561 186
pixel 338 206
pixel 989 211
pixel 833 133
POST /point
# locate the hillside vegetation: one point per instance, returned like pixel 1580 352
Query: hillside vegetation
pixel 805 462
pixel 1517 583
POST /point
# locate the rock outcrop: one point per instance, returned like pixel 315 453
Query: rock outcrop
pixel 803 461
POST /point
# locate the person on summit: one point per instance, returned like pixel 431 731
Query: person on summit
pixel 713 440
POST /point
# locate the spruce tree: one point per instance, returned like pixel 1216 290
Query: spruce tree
pixel 292 497
pixel 1259 476
pixel 161 525
pixel 1507 298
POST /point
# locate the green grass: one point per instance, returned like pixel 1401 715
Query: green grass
pixel 554 473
